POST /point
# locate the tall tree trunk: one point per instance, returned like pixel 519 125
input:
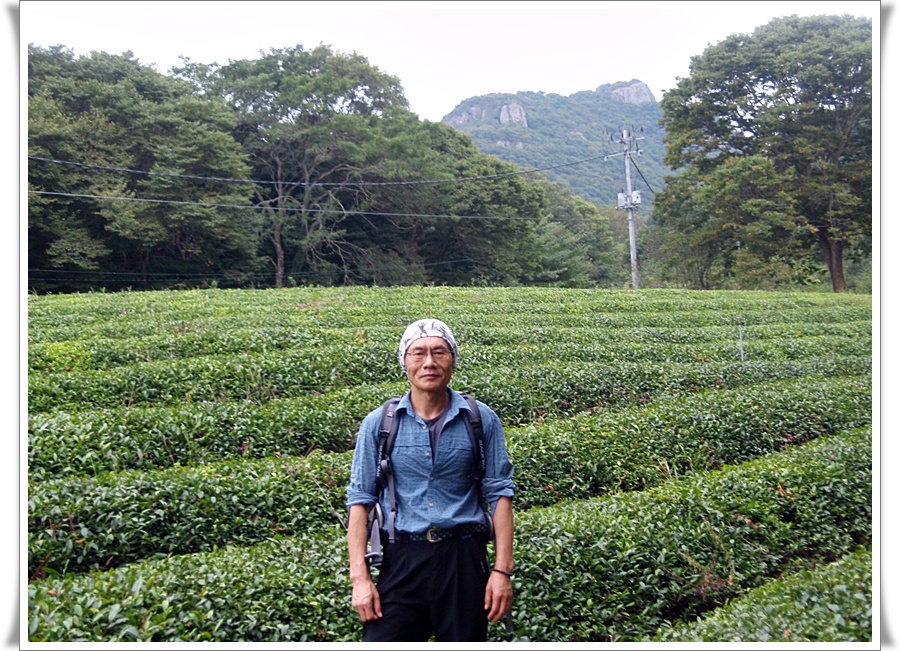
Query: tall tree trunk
pixel 275 237
pixel 833 252
pixel 279 259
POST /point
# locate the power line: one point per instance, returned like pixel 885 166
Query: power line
pixel 258 207
pixel 363 184
pixel 642 176
pixel 87 276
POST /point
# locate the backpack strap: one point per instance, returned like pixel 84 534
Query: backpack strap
pixel 384 475
pixel 476 433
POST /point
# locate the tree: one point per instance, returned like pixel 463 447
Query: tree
pixel 490 236
pixel 308 120
pixel 798 91
pixel 105 126
pixel 576 243
pixel 737 222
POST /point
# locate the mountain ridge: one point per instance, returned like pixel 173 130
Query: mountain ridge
pixel 574 139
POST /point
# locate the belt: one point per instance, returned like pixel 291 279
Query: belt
pixel 437 535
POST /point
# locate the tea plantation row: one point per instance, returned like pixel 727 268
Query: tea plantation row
pixel 147 437
pixel 83 524
pixel 648 344
pixel 185 445
pixel 617 568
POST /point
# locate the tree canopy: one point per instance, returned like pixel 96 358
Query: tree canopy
pixel 138 195
pixel 306 166
pixel 797 93
pixel 298 167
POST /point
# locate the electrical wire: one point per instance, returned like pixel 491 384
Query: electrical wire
pixel 642 176
pixel 362 184
pixel 81 276
pixel 305 210
pixel 129 277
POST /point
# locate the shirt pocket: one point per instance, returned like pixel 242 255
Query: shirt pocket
pixel 454 456
pixel 411 458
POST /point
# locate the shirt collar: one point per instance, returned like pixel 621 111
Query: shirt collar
pixel 457 402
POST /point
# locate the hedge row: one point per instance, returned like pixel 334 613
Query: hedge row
pixel 298 372
pixel 609 569
pixel 81 524
pixel 87 442
pixel 379 302
pixel 613 351
pixel 103 353
pixel 65 444
pixel 214 378
pixel 615 569
pixel 58 318
pixel 633 449
pixel 103 522
pixel 531 393
pixel 827 603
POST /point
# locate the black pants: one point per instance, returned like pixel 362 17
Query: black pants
pixel 432 589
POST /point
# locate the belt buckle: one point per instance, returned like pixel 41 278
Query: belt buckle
pixel 432 535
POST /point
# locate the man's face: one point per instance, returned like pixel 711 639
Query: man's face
pixel 429 364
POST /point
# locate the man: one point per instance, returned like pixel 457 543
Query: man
pixel 434 578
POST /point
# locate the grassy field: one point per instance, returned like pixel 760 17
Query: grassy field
pixel 675 452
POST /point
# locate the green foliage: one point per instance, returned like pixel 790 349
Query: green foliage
pixel 178 517
pixel 610 569
pixel 637 448
pixel 558 460
pixel 824 603
pixel 797 92
pixel 90 442
pixel 114 519
pixel 584 126
pixel 130 173
pixel 103 111
pixel 280 591
pixel 736 224
pixel 614 569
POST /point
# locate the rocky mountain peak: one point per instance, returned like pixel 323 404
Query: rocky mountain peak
pixel 507 112
pixel 630 92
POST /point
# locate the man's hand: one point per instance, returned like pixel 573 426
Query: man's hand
pixel 498 596
pixel 366 599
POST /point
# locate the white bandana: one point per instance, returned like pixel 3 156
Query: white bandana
pixel 426 328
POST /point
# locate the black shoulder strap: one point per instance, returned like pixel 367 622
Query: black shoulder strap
pixel 476 433
pixel 384 476
pixel 386 437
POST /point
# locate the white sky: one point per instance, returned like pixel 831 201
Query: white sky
pixel 443 52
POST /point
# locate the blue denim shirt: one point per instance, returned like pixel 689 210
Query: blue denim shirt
pixel 432 492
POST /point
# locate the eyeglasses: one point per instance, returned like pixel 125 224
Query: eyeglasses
pixel 437 354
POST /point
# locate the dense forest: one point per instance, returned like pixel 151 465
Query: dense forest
pixel 301 167
pixel 306 167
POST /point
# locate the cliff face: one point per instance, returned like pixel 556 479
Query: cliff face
pixel 511 113
pixel 630 92
pixel 504 111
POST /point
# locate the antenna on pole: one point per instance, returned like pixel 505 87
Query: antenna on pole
pixel 629 199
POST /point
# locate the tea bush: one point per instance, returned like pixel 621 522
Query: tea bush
pixel 188 454
pixel 824 603
pixel 607 569
pixel 81 524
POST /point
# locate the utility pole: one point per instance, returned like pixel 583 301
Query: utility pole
pixel 629 199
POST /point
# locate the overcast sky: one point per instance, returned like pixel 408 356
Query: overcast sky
pixel 442 52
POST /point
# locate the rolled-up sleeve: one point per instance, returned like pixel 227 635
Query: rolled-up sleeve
pixel 362 487
pixel 498 471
